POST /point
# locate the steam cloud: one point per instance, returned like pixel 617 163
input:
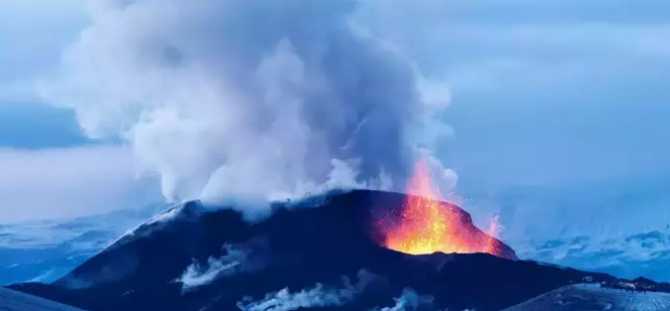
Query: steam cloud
pixel 237 259
pixel 258 99
pixel 318 296
pixel 410 300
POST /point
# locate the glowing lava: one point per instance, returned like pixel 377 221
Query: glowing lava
pixel 425 224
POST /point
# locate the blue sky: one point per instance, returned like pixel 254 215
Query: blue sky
pixel 558 109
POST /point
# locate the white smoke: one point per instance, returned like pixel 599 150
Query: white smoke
pixel 238 258
pixel 410 300
pixel 266 99
pixel 198 274
pixel 315 297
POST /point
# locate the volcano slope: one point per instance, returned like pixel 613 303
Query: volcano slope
pixel 14 301
pixel 320 253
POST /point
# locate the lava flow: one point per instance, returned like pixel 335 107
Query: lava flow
pixel 425 224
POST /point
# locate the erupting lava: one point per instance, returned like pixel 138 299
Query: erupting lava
pixel 425 224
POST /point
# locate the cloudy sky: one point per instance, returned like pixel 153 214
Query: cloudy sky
pixel 50 169
pixel 556 115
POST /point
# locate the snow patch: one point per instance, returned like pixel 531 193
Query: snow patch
pixel 155 222
pixel 628 256
pixel 596 297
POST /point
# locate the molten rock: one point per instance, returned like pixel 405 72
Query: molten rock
pixel 426 226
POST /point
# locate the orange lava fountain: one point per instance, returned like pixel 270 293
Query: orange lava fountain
pixel 426 224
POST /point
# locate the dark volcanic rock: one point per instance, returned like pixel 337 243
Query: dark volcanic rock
pixel 14 301
pixel 324 249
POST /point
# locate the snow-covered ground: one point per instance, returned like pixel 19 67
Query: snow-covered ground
pixel 42 251
pixel 644 254
pixel 14 301
pixel 592 297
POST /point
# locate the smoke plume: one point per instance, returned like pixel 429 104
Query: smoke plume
pixel 262 99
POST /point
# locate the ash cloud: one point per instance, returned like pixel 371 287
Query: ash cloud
pixel 234 98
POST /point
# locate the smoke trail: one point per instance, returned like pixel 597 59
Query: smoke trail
pixel 410 300
pixel 319 296
pixel 265 99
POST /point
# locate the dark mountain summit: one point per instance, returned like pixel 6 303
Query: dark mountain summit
pixel 318 253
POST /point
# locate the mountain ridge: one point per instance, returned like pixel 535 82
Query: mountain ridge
pixel 198 258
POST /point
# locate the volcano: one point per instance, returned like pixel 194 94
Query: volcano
pixel 323 252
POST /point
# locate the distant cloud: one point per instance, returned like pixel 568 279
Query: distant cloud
pixel 62 183
pixel 33 35
pixel 38 126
